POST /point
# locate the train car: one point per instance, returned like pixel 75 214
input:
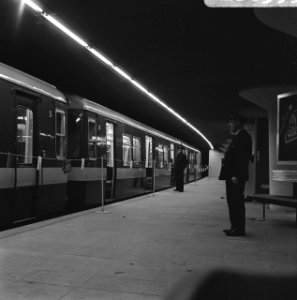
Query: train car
pixel 115 157
pixel 60 153
pixel 32 149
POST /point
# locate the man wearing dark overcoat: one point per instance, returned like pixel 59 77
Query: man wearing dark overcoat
pixel 236 163
pixel 180 165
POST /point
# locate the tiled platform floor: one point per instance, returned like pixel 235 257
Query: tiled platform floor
pixel 142 248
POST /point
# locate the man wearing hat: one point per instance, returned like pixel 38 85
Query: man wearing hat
pixel 180 165
pixel 236 163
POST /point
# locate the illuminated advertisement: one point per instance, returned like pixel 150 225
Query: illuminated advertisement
pixel 287 129
pixel 251 3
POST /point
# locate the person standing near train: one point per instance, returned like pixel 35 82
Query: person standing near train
pixel 179 168
pixel 235 172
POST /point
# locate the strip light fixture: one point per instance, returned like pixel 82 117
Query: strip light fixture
pixel 110 64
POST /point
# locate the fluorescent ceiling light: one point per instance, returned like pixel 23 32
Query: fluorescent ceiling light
pixel 122 73
pixel 65 29
pixel 33 5
pixel 115 68
pixel 101 57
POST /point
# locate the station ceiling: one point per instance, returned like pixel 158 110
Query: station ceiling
pixel 196 59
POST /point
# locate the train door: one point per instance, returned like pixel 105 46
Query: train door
pixel 110 164
pixel 25 175
pixel 149 162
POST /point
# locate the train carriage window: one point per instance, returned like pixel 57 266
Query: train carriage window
pixel 136 149
pixel 198 162
pixel 60 133
pixel 148 151
pixel 127 151
pixel 171 152
pixel 92 138
pixel 166 158
pixel 191 159
pixel 110 144
pixel 160 155
pixel 25 135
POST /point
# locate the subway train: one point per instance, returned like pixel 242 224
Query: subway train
pixel 62 153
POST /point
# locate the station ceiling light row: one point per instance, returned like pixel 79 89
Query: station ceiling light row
pixel 110 64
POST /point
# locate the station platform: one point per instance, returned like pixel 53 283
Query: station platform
pixel 143 248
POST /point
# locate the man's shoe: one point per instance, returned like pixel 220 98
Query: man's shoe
pixel 235 233
pixel 175 190
pixel 227 230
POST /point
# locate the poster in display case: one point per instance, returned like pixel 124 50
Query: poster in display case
pixel 287 129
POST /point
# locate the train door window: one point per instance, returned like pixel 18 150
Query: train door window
pixel 148 151
pixel 60 133
pixel 136 149
pixel 198 158
pixel 187 153
pixel 165 151
pixel 191 159
pixel 127 150
pixel 171 152
pixel 25 135
pixel 110 144
pixel 92 138
pixel 160 155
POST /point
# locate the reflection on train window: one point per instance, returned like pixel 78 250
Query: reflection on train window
pixel 166 155
pixel 191 159
pixel 148 151
pixel 25 135
pixel 160 156
pixel 136 149
pixel 198 159
pixel 110 144
pixel 60 133
pixel 187 153
pixel 171 152
pixel 92 138
pixel 127 151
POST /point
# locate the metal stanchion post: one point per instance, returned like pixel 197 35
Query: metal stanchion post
pixel 102 191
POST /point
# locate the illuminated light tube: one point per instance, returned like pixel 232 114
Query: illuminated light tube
pixel 101 57
pixel 122 73
pixel 110 64
pixel 65 30
pixel 155 98
pixel 138 85
pixel 33 5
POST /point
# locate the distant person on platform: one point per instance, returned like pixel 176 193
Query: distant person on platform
pixel 235 172
pixel 180 165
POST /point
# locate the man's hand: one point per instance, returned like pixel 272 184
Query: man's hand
pixel 234 180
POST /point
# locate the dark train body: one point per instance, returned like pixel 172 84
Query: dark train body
pixel 61 153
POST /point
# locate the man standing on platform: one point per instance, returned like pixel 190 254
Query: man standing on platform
pixel 236 163
pixel 180 165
